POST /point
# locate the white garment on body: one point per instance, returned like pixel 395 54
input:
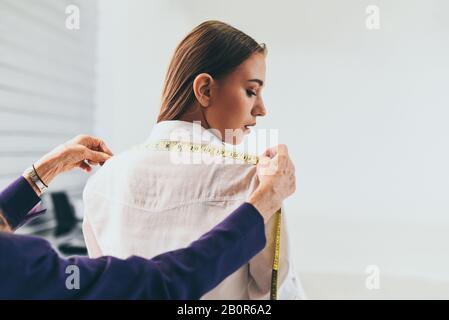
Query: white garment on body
pixel 144 202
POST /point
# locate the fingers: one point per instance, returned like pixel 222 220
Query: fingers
pixel 103 147
pixel 276 157
pixel 93 143
pixel 264 161
pixel 282 155
pixel 276 174
pixel 95 157
pixel 273 151
pixel 84 166
pixel 279 150
pixel 270 152
pixel 92 163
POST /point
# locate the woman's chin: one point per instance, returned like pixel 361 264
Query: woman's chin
pixel 236 136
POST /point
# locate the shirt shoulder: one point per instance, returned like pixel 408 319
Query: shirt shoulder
pixel 153 178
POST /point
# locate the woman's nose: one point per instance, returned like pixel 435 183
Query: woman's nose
pixel 259 109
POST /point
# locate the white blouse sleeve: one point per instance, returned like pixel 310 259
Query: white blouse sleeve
pixel 93 249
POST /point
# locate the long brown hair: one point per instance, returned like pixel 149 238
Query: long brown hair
pixel 213 47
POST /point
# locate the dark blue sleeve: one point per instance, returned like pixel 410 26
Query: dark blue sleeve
pixel 17 202
pixel 31 269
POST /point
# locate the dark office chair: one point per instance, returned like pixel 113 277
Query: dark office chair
pixel 68 232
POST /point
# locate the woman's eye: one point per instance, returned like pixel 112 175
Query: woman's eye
pixel 250 93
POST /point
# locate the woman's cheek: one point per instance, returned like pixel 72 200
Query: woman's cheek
pixel 240 116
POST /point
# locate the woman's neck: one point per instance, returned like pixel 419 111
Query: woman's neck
pixel 195 113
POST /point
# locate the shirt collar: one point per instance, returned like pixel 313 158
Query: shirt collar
pixel 177 130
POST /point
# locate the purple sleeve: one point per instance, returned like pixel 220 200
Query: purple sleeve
pixel 17 202
pixel 31 269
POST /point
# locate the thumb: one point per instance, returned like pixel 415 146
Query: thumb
pixel 264 161
pixel 270 152
pixel 264 167
pixel 96 156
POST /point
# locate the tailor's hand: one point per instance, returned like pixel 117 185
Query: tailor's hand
pixel 82 152
pixel 276 174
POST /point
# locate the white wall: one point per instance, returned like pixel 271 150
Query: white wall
pixel 363 112
pixel 136 39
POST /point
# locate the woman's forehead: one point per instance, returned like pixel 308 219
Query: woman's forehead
pixel 252 68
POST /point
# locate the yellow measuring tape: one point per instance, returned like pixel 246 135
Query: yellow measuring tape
pixel 277 249
pixel 168 145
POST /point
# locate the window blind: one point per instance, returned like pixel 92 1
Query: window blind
pixel 47 83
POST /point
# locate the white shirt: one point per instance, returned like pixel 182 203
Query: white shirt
pixel 145 202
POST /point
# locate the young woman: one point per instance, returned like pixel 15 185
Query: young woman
pixel 149 200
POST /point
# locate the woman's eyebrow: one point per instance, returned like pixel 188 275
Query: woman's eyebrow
pixel 260 82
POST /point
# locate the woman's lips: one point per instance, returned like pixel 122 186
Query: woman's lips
pixel 247 128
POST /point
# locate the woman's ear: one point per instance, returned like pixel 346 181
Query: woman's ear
pixel 201 88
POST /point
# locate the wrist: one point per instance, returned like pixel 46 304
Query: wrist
pixel 4 226
pixel 47 170
pixel 32 184
pixel 265 201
